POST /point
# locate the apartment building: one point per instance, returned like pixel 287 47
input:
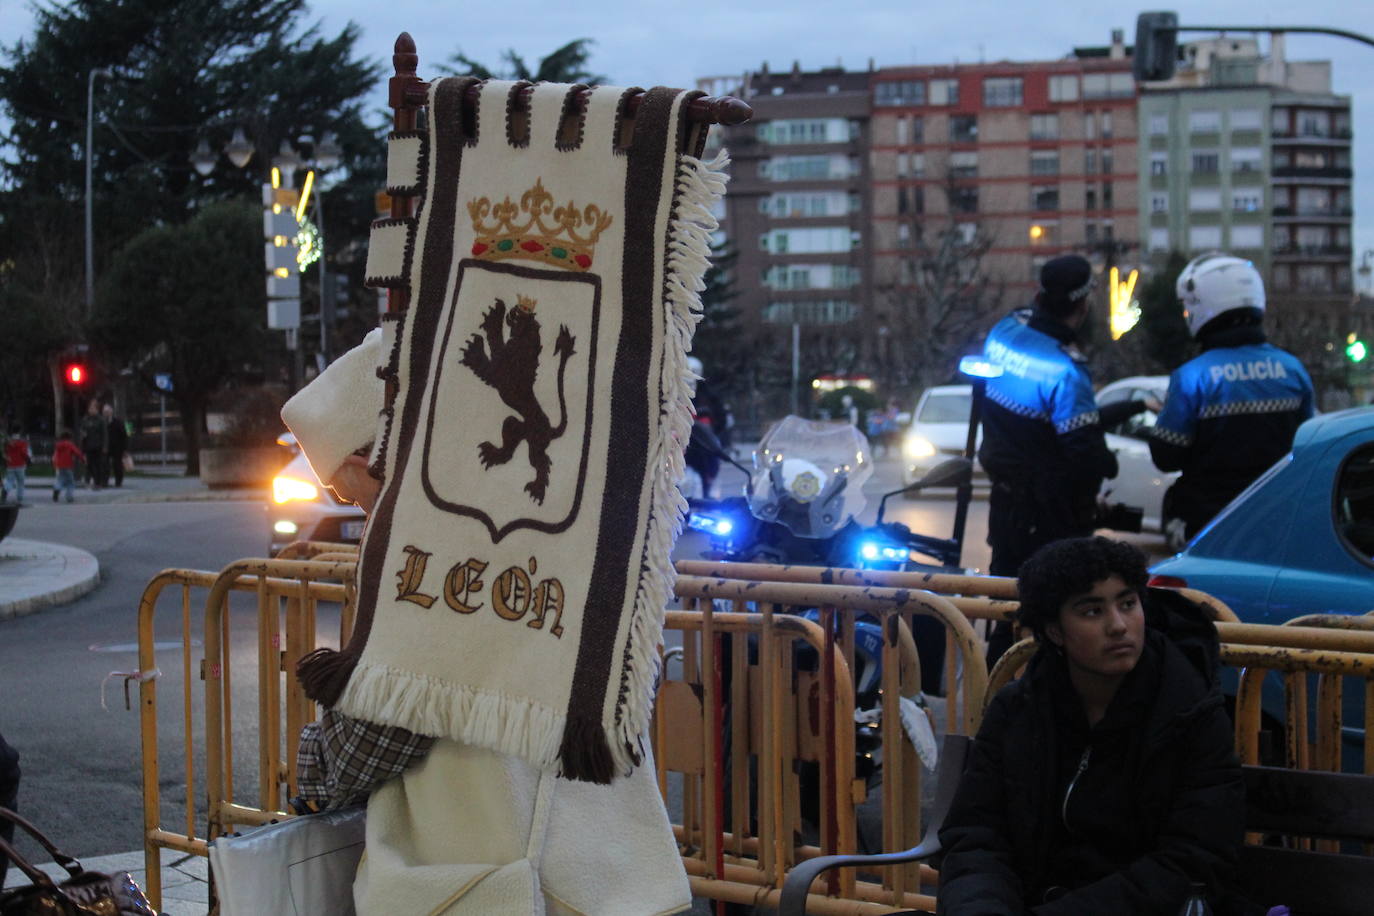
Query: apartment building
pixel 1039 158
pixel 1251 154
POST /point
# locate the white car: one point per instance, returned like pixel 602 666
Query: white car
pixel 303 509
pixel 938 430
pixel 1139 484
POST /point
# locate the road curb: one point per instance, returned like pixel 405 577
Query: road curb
pixel 26 568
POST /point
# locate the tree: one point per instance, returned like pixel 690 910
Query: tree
pixel 567 64
pixel 940 301
pixel 158 314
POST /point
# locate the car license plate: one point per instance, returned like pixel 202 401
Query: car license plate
pixel 351 531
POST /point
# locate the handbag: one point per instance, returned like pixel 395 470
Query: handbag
pixel 82 893
pixel 303 866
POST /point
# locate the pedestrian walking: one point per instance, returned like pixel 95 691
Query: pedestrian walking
pixel 95 436
pixel 1043 444
pixel 117 439
pixel 1105 779
pixel 65 454
pixel 18 457
pixel 1232 411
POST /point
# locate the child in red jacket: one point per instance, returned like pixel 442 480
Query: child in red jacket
pixel 64 456
pixel 17 458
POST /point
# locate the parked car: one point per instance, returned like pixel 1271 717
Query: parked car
pixel 1300 539
pixel 303 509
pixel 938 430
pixel 1139 484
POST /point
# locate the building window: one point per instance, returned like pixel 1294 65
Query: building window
pixel 1246 159
pixel 963 200
pixel 944 92
pixel 1064 88
pixel 904 92
pixel 808 203
pixel 1204 121
pixel 1108 86
pixel 1283 277
pixel 1090 197
pixel 1204 238
pixel 1246 201
pixel 821 311
pixel 901 131
pixel 1247 237
pixel 903 235
pixel 1314 123
pixel 804 168
pixel 963 128
pixel 805 130
pixel 963 164
pixel 1106 162
pixel 811 240
pixel 1090 233
pixel 1206 162
pixel 1159 238
pixel 918 129
pixel 1246 119
pixel 1044 127
pixel 1106 123
pixel 1314 239
pixel 1282 239
pixel 918 165
pixel 1159 202
pixel 1002 92
pixel 1159 125
pixel 1089 161
pixel 1107 202
pixel 1044 162
pixel 1279 123
pixel 1204 199
pixel 1089 125
pixel 1314 277
pixel 1045 197
pixel 1159 163
pixel 1313 201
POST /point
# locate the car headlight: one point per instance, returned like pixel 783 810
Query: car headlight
pixel 918 447
pixel 287 489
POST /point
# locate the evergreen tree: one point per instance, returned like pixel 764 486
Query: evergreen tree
pixel 568 64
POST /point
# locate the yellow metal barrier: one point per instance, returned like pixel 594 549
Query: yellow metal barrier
pixel 274 585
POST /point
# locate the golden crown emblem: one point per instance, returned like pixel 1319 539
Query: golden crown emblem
pixel 525 302
pixel 537 229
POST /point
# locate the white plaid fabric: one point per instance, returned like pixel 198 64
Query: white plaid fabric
pixel 1236 408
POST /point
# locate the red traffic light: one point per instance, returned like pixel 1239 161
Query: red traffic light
pixel 76 374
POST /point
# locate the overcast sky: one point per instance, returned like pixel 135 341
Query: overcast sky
pixel 652 42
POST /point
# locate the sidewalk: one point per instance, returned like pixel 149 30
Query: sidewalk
pixel 185 879
pixel 36 574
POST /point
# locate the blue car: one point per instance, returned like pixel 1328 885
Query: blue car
pixel 1300 539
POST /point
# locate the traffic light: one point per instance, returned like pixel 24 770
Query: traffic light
pixel 75 374
pixel 1156 46
pixel 1355 349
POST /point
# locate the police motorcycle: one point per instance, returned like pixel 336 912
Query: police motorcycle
pixel 801 507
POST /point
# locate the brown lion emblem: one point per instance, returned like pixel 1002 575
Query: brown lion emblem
pixel 509 364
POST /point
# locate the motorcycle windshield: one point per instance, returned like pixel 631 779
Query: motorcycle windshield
pixel 809 476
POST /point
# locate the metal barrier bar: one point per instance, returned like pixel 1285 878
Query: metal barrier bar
pixel 987 586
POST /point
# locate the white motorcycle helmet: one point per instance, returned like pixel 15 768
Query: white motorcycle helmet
pixel 1215 283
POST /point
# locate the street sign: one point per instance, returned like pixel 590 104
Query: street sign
pixel 283 314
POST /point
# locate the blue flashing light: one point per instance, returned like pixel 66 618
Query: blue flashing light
pixel 724 526
pixel 868 550
pixel 978 367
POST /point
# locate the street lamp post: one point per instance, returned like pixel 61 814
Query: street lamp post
pixel 90 230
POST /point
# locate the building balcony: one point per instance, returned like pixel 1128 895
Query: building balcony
pixel 1313 214
pixel 1312 253
pixel 1295 171
pixel 1334 138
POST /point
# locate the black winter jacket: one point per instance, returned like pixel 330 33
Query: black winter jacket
pixel 1053 817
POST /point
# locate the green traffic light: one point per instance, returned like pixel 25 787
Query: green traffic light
pixel 1356 351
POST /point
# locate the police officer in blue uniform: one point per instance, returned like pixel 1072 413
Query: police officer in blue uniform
pixel 1043 446
pixel 1232 411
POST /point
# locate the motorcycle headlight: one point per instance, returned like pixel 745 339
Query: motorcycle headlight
pixel 286 489
pixel 917 446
